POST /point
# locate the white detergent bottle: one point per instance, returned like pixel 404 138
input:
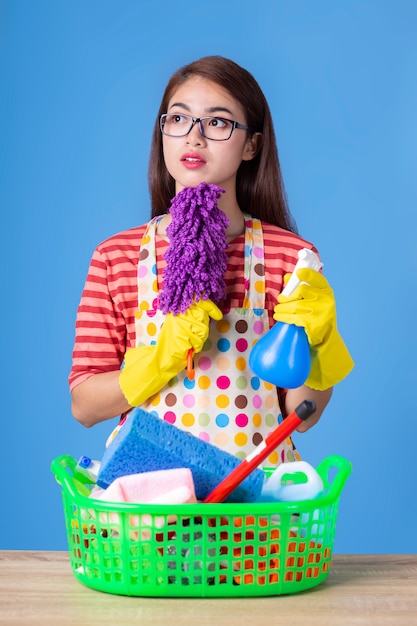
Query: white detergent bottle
pixel 291 482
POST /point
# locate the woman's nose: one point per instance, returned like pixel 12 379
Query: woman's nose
pixel 194 137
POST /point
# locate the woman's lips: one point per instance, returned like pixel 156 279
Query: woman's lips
pixel 192 160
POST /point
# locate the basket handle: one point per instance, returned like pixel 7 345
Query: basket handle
pixel 344 468
pixel 65 478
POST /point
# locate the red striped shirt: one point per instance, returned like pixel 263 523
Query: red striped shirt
pixel 105 323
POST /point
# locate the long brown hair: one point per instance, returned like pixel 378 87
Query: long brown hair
pixel 259 185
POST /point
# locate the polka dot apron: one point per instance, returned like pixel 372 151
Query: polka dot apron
pixel 225 404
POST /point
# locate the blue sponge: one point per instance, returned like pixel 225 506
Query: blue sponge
pixel 146 443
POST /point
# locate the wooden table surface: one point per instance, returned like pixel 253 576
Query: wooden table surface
pixel 39 588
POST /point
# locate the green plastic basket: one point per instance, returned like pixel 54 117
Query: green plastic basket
pixel 200 550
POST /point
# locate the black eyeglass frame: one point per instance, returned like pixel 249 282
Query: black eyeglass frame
pixel 195 120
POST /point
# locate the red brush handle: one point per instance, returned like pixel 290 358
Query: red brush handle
pixel 229 484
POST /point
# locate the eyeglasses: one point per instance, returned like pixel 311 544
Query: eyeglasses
pixel 214 128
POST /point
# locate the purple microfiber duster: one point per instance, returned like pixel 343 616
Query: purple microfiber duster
pixel 196 257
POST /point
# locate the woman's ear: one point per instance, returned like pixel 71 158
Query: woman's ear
pixel 252 147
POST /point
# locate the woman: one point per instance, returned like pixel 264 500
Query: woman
pixel 213 126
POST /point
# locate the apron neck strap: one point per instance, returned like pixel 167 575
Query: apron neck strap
pixel 254 264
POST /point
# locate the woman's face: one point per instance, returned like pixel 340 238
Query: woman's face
pixel 194 159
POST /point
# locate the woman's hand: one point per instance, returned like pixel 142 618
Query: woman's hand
pixel 313 306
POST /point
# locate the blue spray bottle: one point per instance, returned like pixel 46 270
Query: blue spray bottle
pixel 282 356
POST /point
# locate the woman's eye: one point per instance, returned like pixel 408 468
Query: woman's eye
pixel 218 122
pixel 179 119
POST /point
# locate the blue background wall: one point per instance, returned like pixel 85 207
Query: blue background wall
pixel 80 85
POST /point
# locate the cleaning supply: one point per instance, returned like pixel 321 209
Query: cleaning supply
pixel 196 257
pixel 297 482
pixel 147 369
pixel 282 356
pixel 174 486
pixel 292 482
pixel 312 305
pixel 88 467
pixel 147 443
pixel 231 482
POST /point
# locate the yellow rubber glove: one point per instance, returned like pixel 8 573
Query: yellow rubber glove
pixel 313 306
pixel 149 368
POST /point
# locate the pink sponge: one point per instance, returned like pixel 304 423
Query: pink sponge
pixel 173 486
pixel 146 443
